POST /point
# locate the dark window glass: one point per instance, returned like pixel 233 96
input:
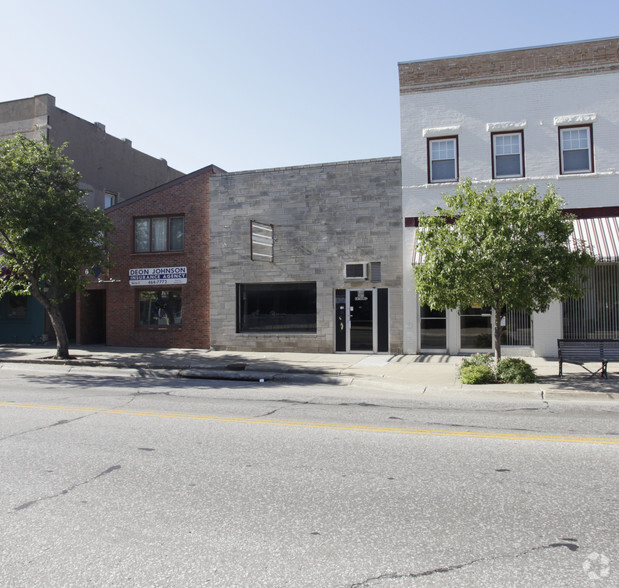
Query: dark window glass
pixel 443 170
pixel 432 328
pixel 476 328
pixel 276 307
pixel 17 306
pixel 160 308
pixel 142 235
pixel 177 233
pixel 159 234
pixel 577 160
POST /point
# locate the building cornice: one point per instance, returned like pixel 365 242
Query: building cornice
pixel 510 67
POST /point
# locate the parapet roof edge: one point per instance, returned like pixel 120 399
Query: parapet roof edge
pixel 315 165
pixel 480 53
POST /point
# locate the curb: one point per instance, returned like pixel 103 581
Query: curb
pixel 238 373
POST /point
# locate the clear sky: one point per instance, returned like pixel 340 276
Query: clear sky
pixel 245 84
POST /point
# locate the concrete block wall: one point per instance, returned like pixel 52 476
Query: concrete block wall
pixel 188 196
pixel 324 216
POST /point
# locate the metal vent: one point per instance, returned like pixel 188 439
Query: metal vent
pixel 375 272
pixel 261 241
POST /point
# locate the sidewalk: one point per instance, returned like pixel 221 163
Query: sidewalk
pixel 417 374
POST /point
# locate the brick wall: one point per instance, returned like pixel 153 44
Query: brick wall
pixel 188 196
pixel 505 67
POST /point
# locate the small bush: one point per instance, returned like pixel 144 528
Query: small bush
pixel 515 371
pixel 476 374
pixel 484 359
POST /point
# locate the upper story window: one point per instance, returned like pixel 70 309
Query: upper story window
pixel 507 155
pixel 443 159
pixel 160 233
pixel 110 199
pixel 576 149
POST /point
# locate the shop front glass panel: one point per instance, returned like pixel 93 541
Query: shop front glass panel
pixel 361 320
pixel 160 308
pixel 432 328
pixel 476 328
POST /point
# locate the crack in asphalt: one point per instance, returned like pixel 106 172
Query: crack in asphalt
pixel 313 403
pixel 140 393
pixel 266 414
pixel 45 427
pixel 570 544
pixel 481 427
pixel 64 421
pixel 529 408
pixel 66 490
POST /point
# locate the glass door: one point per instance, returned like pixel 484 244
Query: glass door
pixel 361 320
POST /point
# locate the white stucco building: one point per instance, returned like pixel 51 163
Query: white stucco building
pixel 543 115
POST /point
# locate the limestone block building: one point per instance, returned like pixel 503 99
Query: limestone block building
pixel 307 258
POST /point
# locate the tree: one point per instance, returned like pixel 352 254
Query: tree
pixel 47 234
pixel 500 250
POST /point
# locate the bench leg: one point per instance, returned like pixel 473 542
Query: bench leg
pixel 604 369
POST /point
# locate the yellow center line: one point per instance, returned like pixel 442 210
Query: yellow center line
pixel 310 425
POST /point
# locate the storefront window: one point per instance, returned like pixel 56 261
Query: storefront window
pixel 160 308
pixel 432 329
pixel 516 328
pixel 476 328
pixel 596 315
pixel 276 307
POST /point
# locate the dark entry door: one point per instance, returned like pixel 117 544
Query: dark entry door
pixel 94 313
pixel 361 306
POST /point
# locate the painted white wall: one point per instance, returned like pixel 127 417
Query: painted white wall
pixel 472 114
pixel 547 328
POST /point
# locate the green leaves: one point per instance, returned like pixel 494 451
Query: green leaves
pixel 46 232
pixel 498 250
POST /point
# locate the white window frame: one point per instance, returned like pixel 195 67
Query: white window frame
pixel 111 199
pixel 589 148
pixel 496 155
pixel 435 141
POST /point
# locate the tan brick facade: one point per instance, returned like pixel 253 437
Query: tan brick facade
pixel 507 67
pixel 187 196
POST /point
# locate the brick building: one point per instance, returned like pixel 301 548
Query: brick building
pixel 156 293
pixel 542 115
pixel 111 169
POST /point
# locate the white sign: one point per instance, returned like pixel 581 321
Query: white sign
pixel 157 276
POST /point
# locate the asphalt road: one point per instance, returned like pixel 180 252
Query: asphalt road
pixel 108 478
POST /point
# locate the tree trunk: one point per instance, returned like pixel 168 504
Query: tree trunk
pixel 53 311
pixel 62 339
pixel 498 331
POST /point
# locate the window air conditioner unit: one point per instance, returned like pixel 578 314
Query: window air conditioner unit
pixel 356 271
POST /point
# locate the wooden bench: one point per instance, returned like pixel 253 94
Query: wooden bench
pixel 581 351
